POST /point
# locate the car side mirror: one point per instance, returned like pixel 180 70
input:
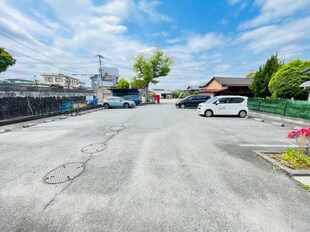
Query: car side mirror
pixel 217 102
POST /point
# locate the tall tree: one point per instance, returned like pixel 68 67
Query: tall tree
pixel 262 77
pixel 137 83
pixel 6 60
pixel 122 84
pixel 150 69
pixel 286 81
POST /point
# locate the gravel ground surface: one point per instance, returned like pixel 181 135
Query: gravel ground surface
pixel 164 169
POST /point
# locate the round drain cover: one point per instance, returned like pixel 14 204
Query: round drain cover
pixel 94 148
pixel 117 128
pixel 64 173
pixel 111 133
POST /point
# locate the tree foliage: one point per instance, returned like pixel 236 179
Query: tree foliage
pixel 286 81
pixel 251 75
pixel 6 60
pixel 56 86
pixel 262 77
pixel 122 84
pixel 184 94
pixel 137 83
pixel 150 69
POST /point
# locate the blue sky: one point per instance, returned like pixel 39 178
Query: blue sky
pixel 204 37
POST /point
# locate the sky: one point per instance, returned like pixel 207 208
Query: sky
pixel 205 38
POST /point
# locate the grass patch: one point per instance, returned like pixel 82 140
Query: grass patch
pixel 304 186
pixel 293 158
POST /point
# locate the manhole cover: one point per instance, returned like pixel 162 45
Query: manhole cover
pixel 111 133
pixel 94 148
pixel 116 128
pixel 64 173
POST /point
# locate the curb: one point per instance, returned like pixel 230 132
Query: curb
pixel 49 120
pixel 28 125
pixel 290 172
pixel 278 124
pixel 280 118
pixel 5 131
pixel 259 119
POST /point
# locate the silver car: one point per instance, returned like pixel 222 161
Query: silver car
pixel 117 102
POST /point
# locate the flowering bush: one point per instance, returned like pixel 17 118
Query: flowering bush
pixel 302 137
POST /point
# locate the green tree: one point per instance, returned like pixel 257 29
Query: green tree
pixel 251 75
pixel 176 93
pixel 6 60
pixel 150 69
pixel 286 81
pixel 137 83
pixel 122 84
pixel 184 94
pixel 262 77
pixel 56 86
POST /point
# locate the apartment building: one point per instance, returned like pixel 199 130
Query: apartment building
pixel 60 79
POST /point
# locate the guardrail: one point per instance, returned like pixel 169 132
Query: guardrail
pixel 291 108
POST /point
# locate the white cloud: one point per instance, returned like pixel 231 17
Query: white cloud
pixel 233 2
pixel 119 8
pixel 273 37
pixel 149 8
pixel 17 21
pixel 174 40
pixel 273 10
pixel 205 42
pixel 292 51
pixel 222 67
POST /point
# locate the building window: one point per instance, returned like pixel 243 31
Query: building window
pixel 50 79
pixel 57 79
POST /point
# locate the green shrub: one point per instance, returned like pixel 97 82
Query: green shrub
pixel 296 158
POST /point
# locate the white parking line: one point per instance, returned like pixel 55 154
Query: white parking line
pixel 268 145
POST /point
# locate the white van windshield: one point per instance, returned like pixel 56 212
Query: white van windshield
pixel 211 100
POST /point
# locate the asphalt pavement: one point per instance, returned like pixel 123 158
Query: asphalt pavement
pixel 163 169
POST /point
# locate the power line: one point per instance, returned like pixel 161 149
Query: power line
pixel 41 60
pixel 26 46
pixel 39 50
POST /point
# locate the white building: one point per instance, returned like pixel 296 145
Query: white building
pixel 60 79
pixel 109 79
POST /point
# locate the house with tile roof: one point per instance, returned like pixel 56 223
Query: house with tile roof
pixel 228 86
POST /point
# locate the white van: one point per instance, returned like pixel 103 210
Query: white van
pixel 224 105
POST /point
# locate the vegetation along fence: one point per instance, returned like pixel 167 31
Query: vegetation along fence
pixel 291 108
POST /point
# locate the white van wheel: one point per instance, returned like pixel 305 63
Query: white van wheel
pixel 242 114
pixel 208 113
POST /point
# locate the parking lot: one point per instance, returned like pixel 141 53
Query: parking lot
pixel 163 169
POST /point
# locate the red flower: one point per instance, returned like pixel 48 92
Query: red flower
pixel 293 134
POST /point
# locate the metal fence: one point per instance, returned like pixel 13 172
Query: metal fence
pixel 15 107
pixel 291 108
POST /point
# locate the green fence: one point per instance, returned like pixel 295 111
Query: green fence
pixel 291 108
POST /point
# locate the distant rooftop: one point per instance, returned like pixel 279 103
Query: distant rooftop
pixel 58 75
pixel 233 81
pixel 17 80
pixel 306 71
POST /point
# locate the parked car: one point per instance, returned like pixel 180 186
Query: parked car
pixel 117 102
pixel 134 98
pixel 192 101
pixel 224 105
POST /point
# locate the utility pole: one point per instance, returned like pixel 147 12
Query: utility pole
pixel 100 81
pixel 36 81
pixel 100 65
